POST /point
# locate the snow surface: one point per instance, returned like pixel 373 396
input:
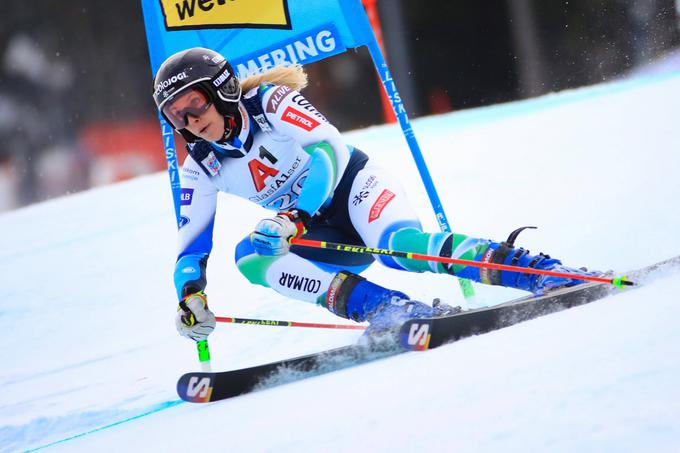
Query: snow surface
pixel 90 356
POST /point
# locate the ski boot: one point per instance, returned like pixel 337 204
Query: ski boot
pixel 505 253
pixel 353 297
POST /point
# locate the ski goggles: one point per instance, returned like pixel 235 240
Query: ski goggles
pixel 190 102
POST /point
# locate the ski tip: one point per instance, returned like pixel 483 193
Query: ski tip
pixel 415 335
pixel 622 282
pixel 196 387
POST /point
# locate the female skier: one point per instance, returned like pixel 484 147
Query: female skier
pixel 260 139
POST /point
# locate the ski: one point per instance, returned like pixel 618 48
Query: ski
pixel 428 333
pixel 414 335
pixel 199 387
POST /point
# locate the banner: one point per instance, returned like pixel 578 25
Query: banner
pixel 255 35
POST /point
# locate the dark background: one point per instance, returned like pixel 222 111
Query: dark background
pixel 75 76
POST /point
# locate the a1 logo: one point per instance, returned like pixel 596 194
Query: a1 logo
pixel 419 334
pixel 198 387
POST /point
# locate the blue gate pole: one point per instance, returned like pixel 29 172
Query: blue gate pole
pixel 173 168
pixel 173 172
pixel 400 112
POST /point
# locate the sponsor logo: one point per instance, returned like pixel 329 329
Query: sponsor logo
pixel 332 293
pixel 371 182
pixel 419 336
pixel 166 83
pixel 361 196
pixel 395 99
pixel 217 59
pixel 188 270
pixel 359 249
pixel 303 49
pixel 260 172
pixel 306 105
pixel 365 191
pixel 484 272
pixel 299 119
pixel 261 322
pixel 191 175
pixel 264 124
pixel 183 221
pixel 284 201
pixel 277 96
pixel 170 153
pixel 185 197
pixel 376 210
pixel 222 78
pixel 199 389
pixel 288 181
pixel 306 284
pixel 196 14
pixel 212 164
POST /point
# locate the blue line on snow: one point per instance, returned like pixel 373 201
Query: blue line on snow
pixel 160 407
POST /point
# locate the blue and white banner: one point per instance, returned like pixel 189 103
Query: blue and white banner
pixel 255 34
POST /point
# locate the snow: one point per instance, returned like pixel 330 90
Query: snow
pixel 90 356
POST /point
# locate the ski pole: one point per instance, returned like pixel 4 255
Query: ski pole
pixel 269 322
pixel 617 281
pixel 204 355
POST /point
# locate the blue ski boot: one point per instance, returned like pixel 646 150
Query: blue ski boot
pixel 353 297
pixel 505 253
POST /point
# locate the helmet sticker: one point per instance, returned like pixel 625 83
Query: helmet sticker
pixel 166 83
pixel 222 78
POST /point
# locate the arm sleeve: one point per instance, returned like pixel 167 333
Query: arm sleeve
pixel 197 216
pixel 293 115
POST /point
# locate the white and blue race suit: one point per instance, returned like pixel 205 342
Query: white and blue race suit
pixel 288 156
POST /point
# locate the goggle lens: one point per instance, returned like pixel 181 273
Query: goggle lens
pixel 192 102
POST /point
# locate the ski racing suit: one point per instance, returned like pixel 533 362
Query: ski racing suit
pixel 288 156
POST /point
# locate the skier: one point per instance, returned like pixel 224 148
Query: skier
pixel 261 140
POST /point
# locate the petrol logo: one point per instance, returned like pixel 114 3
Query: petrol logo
pixel 299 119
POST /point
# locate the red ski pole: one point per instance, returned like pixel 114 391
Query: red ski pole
pixel 269 322
pixel 617 281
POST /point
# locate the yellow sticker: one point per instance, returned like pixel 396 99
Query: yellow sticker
pixel 192 14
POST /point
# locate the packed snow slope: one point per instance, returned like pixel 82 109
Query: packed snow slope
pixel 90 355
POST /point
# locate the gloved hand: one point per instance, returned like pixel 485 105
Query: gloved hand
pixel 272 236
pixel 194 319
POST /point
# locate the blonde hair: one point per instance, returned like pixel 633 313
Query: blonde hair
pixel 293 76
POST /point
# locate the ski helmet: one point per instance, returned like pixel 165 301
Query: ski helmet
pixel 199 68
